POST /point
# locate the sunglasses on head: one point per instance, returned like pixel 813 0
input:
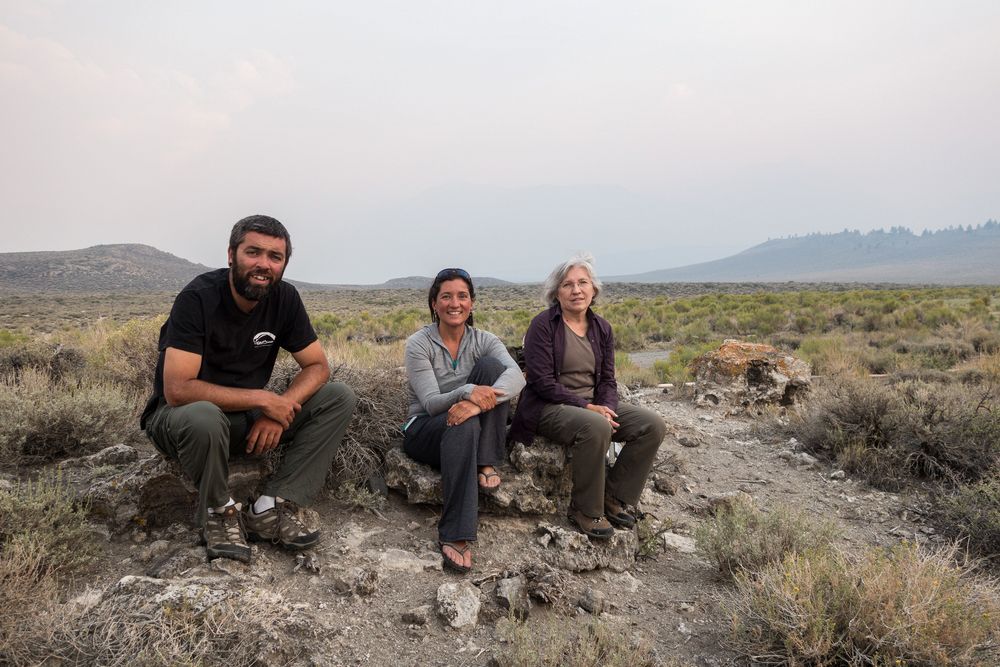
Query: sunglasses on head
pixel 447 274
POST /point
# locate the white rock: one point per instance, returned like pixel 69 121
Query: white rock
pixel 458 604
pixel 681 543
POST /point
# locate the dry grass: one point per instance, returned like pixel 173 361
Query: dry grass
pixel 972 514
pixel 741 538
pixel 900 607
pixel 892 433
pixel 42 418
pixel 29 596
pixel 558 644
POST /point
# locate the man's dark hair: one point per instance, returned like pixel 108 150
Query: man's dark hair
pixel 262 224
pixel 449 274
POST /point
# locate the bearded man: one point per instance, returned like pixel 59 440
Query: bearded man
pixel 217 351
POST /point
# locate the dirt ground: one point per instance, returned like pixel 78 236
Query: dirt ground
pixel 670 600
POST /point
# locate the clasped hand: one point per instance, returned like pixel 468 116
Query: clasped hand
pixel 606 412
pixel 485 397
pixel 461 411
pixel 281 409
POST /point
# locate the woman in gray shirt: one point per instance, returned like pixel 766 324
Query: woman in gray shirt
pixel 460 379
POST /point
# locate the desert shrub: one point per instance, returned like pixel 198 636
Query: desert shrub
pixel 677 367
pixel 127 356
pixel 56 361
pixel 742 538
pixel 43 519
pixel 889 433
pixel 43 419
pixel 125 630
pixel 374 373
pixel 631 375
pixel 43 538
pixel 972 514
pixel 885 608
pixel 29 597
pixel 10 338
pixel 555 644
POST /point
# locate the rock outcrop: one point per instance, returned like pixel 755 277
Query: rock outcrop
pixel 742 376
pixel 537 480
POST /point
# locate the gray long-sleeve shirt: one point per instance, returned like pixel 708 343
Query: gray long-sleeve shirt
pixel 436 381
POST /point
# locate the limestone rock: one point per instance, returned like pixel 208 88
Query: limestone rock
pixel 574 551
pixel 744 375
pixel 125 490
pixel 593 601
pixel 681 543
pixel 418 615
pixel 176 563
pixel 458 604
pixel 537 481
pixel 512 595
pixel 399 560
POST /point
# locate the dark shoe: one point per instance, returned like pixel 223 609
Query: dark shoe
pixel 450 564
pixel 617 514
pixel 224 537
pixel 281 525
pixel 598 528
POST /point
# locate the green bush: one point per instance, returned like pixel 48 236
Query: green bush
pixel 127 356
pixel 900 607
pixel 43 419
pixel 742 538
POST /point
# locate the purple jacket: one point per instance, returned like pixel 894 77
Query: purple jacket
pixel 544 346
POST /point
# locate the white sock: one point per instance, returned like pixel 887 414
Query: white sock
pixel 263 504
pixel 220 510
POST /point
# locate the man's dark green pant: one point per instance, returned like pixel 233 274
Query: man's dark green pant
pixel 202 437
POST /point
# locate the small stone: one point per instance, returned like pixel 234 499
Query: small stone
pixel 412 526
pixel 366 582
pixel 418 615
pixel 805 459
pixel 406 561
pixel 154 550
pixel 838 474
pixel 686 441
pixel 685 607
pixel 681 543
pixel 512 595
pixel 307 562
pixel 666 484
pixel 706 418
pixel 593 601
pixel 458 604
pixel 139 536
pixel 176 563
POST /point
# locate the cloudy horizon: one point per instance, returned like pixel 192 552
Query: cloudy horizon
pixel 393 138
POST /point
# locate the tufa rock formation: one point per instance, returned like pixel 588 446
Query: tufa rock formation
pixel 742 376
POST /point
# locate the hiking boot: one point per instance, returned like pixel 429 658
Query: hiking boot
pixel 598 528
pixel 281 525
pixel 224 537
pixel 617 514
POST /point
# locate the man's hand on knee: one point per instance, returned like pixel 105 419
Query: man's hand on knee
pixel 264 436
pixel 281 409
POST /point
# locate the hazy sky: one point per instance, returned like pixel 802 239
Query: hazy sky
pixel 396 138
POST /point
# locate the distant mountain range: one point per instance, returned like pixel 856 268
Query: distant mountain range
pixel 963 255
pixel 133 267
pixel 950 256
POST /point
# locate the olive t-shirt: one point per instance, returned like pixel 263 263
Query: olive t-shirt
pixel 579 371
pixel 237 349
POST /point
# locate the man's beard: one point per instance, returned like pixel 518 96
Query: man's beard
pixel 249 290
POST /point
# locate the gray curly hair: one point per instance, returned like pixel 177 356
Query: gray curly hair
pixel 550 289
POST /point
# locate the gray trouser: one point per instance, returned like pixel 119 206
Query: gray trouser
pixel 202 438
pixel 589 434
pixel 458 452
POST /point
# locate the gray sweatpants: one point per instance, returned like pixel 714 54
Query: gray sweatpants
pixel 202 438
pixel 458 452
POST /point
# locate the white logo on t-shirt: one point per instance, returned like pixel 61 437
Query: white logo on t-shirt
pixel 264 339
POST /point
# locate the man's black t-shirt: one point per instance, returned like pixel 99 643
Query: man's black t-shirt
pixel 237 349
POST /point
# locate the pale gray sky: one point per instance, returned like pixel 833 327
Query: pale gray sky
pixel 395 138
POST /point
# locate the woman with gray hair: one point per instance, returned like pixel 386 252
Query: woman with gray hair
pixel 572 398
